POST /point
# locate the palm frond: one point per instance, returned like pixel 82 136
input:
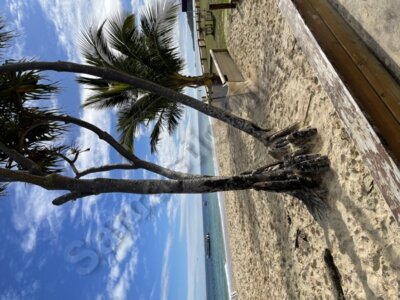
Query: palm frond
pixel 168 118
pixel 126 38
pixel 95 48
pixel 155 134
pixel 47 157
pixel 21 94
pixel 32 137
pixel 127 135
pixel 113 95
pixel 158 23
pixel 141 111
pixel 148 108
pixel 173 114
pixel 25 86
pixel 5 35
pixel 147 50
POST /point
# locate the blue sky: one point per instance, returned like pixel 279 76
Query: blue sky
pixel 115 246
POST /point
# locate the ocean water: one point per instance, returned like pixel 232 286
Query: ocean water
pixel 216 277
pixel 215 264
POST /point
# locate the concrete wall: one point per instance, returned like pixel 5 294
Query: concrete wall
pixel 378 24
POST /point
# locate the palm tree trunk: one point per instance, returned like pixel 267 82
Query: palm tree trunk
pixel 297 176
pixel 186 186
pixel 206 79
pixel 263 135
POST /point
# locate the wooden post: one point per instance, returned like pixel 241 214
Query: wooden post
pixel 222 6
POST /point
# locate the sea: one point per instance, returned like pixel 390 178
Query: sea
pixel 217 261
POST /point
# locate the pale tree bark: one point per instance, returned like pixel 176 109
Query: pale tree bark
pixel 195 81
pixel 263 135
pixel 135 162
pixel 297 176
pixel 20 159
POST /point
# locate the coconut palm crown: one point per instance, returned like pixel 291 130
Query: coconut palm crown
pixel 23 96
pixel 146 48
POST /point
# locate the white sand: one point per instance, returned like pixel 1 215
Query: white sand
pixel 277 248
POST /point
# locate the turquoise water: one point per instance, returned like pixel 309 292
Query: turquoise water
pixel 216 280
pixel 216 277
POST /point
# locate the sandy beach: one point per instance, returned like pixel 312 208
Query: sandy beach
pixel 277 248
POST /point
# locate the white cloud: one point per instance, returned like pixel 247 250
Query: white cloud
pixel 124 247
pixel 154 200
pixel 137 5
pixel 16 7
pixel 120 290
pixel 125 259
pixel 17 11
pixel 29 243
pixel 184 156
pixel 99 153
pixel 172 207
pixel 32 211
pixel 181 153
pixel 27 292
pixel 114 273
pixel 166 268
pixel 153 290
pixel 70 17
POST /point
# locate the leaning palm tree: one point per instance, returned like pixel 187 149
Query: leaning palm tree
pixel 30 151
pixel 145 48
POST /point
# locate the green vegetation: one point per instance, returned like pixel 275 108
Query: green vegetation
pixel 216 41
pixel 32 149
pixel 147 51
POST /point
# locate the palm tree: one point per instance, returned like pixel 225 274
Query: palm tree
pixel 144 48
pixel 30 151
pixel 33 137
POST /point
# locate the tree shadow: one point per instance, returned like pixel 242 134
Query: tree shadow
pixel 343 234
pixel 253 209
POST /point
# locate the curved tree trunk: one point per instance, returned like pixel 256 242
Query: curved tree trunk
pixel 206 79
pixel 249 127
pixel 136 162
pixel 297 176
